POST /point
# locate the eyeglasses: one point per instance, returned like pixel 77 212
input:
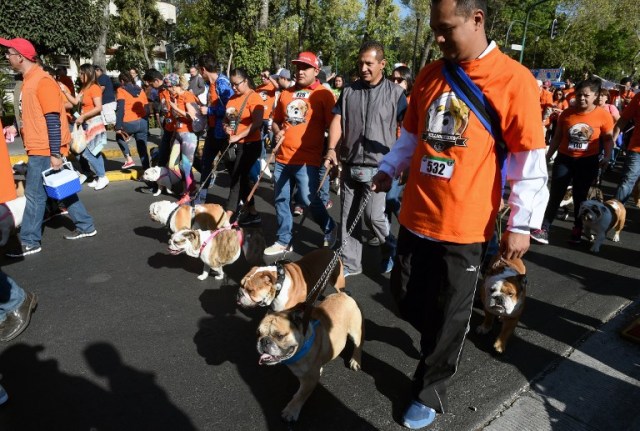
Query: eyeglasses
pixel 238 84
pixel 398 80
pixel 9 54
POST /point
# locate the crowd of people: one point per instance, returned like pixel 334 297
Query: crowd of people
pixel 403 146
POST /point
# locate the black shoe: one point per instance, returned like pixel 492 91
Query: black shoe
pixel 25 250
pixel 249 219
pixel 576 236
pixel 18 320
pixel 76 234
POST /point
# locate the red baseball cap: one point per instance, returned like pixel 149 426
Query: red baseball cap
pixel 307 58
pixel 23 46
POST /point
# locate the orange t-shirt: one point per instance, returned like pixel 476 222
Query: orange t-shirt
pixel 624 96
pixel 254 103
pixel 632 112
pixel 7 188
pixel 88 95
pixel 184 124
pixel 581 131
pixel 267 92
pixel 134 107
pixel 546 99
pixel 169 121
pixel 454 187
pixel 304 113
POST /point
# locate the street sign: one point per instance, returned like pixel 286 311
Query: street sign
pixel 516 47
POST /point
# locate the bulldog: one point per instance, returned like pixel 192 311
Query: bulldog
pixel 11 214
pixel 283 286
pixel 176 217
pixel 598 218
pixel 281 340
pixel 503 294
pixel 164 177
pixel 217 248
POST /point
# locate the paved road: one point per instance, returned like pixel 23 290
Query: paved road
pixel 127 338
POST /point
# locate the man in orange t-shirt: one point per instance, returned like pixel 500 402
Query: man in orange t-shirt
pixel 631 170
pixel 46 138
pixel 453 192
pixel 301 117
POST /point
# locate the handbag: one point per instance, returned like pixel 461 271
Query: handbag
pixel 198 120
pixel 78 139
pixel 232 150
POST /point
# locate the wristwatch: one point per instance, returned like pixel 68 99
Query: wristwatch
pixel 56 155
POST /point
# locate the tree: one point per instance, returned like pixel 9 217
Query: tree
pixel 136 30
pixel 71 27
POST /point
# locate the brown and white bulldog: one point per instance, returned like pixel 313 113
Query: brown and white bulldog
pixel 503 294
pixel 284 286
pixel 177 217
pixel 217 248
pixel 281 340
pixel 599 218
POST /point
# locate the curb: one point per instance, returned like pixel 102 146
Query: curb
pixel 119 175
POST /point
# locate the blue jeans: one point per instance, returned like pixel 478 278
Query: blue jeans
pixel 306 178
pixel 31 230
pixel 11 295
pixel 96 162
pixel 631 174
pixel 394 199
pixel 138 130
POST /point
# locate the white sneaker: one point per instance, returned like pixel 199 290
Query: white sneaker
pixel 276 248
pixel 265 168
pixel 101 183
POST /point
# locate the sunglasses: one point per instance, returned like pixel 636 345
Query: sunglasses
pixel 398 80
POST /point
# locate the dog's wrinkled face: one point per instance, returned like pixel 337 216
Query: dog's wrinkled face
pixel 159 211
pixel 258 287
pixel 505 294
pixel 152 174
pixel 278 337
pixel 185 241
pixel 592 211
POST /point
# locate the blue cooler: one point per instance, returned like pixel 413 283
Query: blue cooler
pixel 62 183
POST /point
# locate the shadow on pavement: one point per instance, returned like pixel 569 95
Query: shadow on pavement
pixel 42 397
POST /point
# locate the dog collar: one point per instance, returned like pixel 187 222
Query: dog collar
pixel 305 347
pixel 171 214
pixel 213 235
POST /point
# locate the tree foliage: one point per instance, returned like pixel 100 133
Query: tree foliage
pixel 71 27
pixel 135 31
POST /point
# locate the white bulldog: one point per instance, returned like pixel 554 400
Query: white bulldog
pixel 163 176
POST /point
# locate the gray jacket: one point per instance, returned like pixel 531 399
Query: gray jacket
pixel 369 121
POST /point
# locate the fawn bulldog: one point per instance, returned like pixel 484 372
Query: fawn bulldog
pixel 283 286
pixel 176 217
pixel 281 340
pixel 598 218
pixel 503 294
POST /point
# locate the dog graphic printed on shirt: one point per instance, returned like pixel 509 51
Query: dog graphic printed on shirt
pixel 232 115
pixel 579 136
pixel 297 111
pixel 447 119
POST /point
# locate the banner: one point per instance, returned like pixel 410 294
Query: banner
pixel 548 74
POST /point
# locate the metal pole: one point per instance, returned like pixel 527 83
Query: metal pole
pixel 526 25
pixel 415 46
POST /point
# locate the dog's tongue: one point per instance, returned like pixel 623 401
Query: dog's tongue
pixel 265 357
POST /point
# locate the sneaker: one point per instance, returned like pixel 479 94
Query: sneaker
pixel 349 272
pixel 93 183
pixel 25 250
pixel 418 416
pixel 329 204
pixel 4 396
pixel 101 183
pixel 76 234
pixel 128 165
pixel 249 219
pixel 82 178
pixel 540 235
pixel 576 235
pixel 298 210
pixel 331 237
pixel 276 248
pixel 388 252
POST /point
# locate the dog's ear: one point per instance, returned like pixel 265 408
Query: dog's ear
pixel 522 279
pixel 296 315
pixel 248 276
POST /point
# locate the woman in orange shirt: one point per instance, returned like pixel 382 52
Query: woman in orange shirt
pixel 179 102
pixel 558 104
pixel 242 123
pixel 90 96
pixel 577 141
pixel 131 119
